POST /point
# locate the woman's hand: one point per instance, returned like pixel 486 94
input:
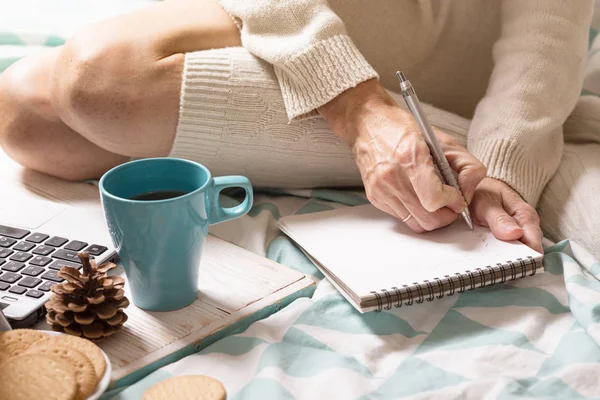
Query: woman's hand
pixel 395 162
pixel 509 217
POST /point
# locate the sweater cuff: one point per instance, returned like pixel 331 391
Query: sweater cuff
pixel 506 161
pixel 320 73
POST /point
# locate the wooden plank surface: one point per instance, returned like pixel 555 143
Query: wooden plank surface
pixel 231 278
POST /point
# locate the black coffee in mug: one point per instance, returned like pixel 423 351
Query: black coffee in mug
pixel 158 195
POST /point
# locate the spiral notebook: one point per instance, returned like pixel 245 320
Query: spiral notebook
pixel 378 263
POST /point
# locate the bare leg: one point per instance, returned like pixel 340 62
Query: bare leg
pixel 33 135
pixel 111 93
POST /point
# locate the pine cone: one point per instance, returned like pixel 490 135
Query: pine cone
pixel 88 304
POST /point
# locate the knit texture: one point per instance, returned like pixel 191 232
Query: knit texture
pixel 514 67
pixel 538 75
pixel 232 119
pixel 306 42
pixel 316 76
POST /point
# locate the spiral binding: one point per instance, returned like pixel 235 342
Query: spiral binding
pixel 469 280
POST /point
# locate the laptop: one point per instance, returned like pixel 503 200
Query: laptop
pixel 44 223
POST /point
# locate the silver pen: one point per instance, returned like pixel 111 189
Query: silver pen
pixel 412 101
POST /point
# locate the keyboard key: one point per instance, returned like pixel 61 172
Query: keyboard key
pixel 75 245
pixel 57 265
pixel 29 282
pixel 23 246
pixel 46 286
pixel 96 250
pixel 4 286
pixel 36 294
pixel 36 237
pixel 5 253
pixel 67 255
pixel 32 270
pixel 6 242
pixel 40 261
pixel 9 277
pixel 2 261
pixel 51 276
pixel 21 257
pixel 14 233
pixel 56 241
pixel 17 290
pixel 13 266
pixel 43 250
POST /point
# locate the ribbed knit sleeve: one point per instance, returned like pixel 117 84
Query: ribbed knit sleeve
pixel 306 42
pixel 537 77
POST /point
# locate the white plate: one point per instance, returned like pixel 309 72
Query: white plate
pixel 103 384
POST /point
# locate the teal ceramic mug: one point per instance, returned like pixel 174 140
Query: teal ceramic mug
pixel 158 211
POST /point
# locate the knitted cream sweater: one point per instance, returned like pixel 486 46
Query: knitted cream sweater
pixel 515 67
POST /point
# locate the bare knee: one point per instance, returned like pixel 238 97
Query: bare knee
pixel 23 95
pixel 104 86
pixel 88 86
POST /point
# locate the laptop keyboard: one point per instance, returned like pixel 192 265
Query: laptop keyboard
pixel 30 261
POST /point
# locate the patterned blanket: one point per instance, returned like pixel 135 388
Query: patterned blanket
pixel 537 337
pixel 534 337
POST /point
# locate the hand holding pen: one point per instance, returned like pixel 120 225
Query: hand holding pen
pixel 439 158
pixel 395 162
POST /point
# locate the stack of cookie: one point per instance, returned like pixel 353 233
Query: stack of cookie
pixel 35 365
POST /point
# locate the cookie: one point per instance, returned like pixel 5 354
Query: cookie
pixel 189 387
pixel 91 351
pixel 85 374
pixel 12 349
pixel 34 376
pixel 26 335
pixel 14 342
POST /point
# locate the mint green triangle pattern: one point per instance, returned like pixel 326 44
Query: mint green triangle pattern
pixel 558 255
pixel 302 355
pixel 233 345
pixel 282 250
pixel 503 295
pixel 6 62
pixel 313 206
pixel 259 208
pixel 335 313
pixel 584 314
pixel 551 388
pixel 591 36
pixel 412 377
pixel 574 347
pixel 263 389
pixel 586 281
pixel 53 40
pixel 339 196
pixel 595 269
pixel 576 327
pixel 455 331
pixel 8 38
pixel 553 262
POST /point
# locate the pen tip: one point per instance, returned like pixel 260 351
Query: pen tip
pixel 400 76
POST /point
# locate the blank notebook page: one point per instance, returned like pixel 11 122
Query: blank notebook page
pixel 369 250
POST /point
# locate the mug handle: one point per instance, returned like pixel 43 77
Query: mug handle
pixel 222 214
